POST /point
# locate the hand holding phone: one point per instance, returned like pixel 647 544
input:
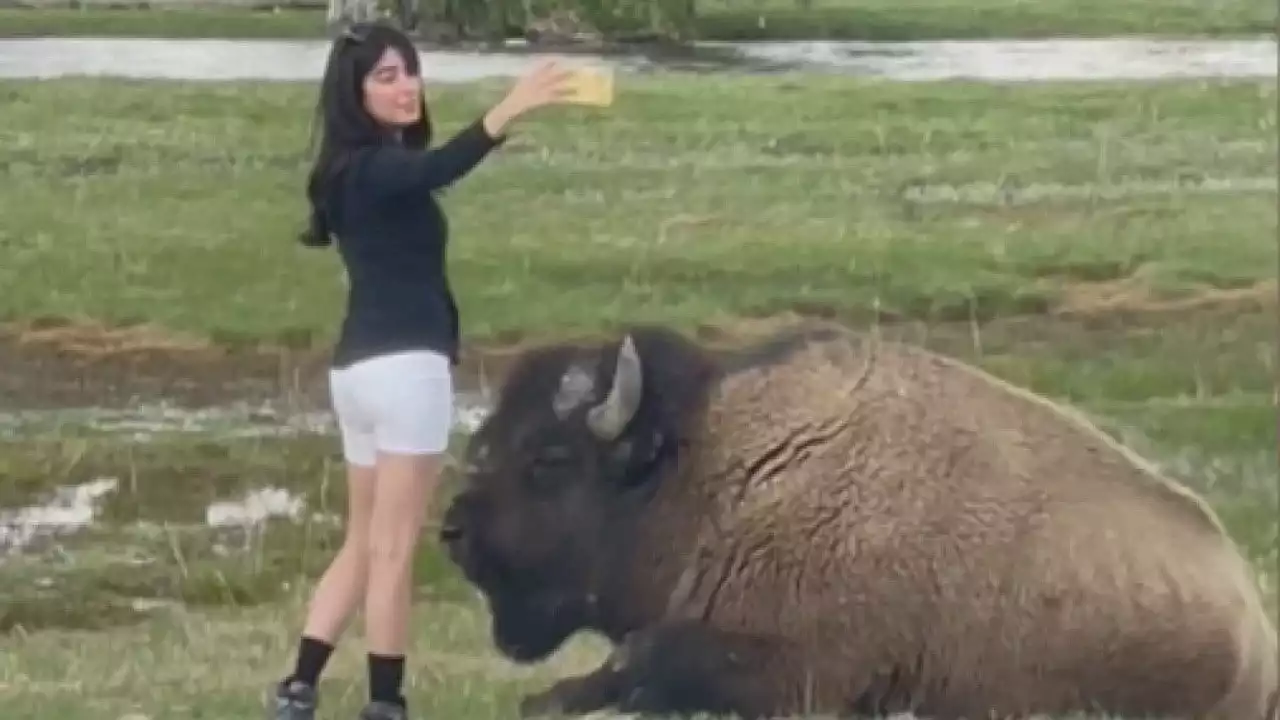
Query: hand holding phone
pixel 550 83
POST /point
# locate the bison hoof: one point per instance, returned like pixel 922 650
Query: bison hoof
pixel 543 704
pixel 572 696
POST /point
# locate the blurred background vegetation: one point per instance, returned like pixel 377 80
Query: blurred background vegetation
pixel 551 20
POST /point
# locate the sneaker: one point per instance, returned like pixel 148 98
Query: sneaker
pixel 294 700
pixel 378 710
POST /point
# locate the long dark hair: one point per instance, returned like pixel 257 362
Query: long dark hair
pixel 344 124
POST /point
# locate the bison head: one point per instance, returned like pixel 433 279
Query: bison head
pixel 557 478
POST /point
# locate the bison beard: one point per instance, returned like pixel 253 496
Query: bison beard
pixel 528 633
pixel 527 623
pixel 831 524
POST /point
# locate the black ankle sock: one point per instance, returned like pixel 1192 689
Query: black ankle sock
pixel 313 654
pixel 386 674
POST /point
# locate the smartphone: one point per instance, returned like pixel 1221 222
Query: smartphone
pixel 592 86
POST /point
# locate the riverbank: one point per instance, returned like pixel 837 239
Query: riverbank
pixel 871 20
pixel 991 61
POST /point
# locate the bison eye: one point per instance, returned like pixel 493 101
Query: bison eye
pixel 550 468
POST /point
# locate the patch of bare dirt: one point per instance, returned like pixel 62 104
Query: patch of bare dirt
pixel 57 363
pixel 1133 296
pixel 73 364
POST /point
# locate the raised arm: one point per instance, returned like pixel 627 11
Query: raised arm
pixel 393 169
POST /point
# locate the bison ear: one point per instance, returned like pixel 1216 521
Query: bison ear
pixel 608 419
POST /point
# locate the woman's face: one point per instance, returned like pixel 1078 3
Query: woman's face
pixel 393 94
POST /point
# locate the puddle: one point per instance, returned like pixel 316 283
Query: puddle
pixel 254 508
pixel 70 509
pixel 45 520
pixel 153 533
pixel 75 508
pixel 990 60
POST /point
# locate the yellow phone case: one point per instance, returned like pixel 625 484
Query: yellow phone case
pixel 592 86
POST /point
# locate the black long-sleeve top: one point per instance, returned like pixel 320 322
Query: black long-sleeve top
pixel 392 236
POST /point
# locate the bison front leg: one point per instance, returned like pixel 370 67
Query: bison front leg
pixel 686 667
pixel 580 695
pixel 683 667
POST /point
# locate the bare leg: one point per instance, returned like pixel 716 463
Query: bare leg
pixel 411 409
pixel 341 588
pixel 406 484
pixel 333 602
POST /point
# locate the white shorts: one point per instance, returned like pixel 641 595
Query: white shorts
pixel 399 403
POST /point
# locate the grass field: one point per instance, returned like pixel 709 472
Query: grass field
pixel 731 20
pixel 1112 245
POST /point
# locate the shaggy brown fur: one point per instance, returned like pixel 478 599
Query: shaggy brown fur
pixel 830 524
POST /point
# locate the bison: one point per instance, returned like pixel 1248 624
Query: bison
pixel 831 523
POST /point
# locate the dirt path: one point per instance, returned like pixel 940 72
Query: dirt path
pixel 57 364
pixel 62 364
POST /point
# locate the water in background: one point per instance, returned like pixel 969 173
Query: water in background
pixel 990 60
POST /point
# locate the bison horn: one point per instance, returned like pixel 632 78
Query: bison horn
pixel 608 418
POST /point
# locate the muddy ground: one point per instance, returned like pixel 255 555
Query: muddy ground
pixel 57 363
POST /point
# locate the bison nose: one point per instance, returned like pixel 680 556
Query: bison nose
pixel 451 526
pixel 450 532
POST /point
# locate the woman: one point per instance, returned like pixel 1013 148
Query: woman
pixel 372 192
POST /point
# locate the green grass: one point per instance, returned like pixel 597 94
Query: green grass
pixel 769 19
pixel 1085 258
pixel 217 665
pixel 688 201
